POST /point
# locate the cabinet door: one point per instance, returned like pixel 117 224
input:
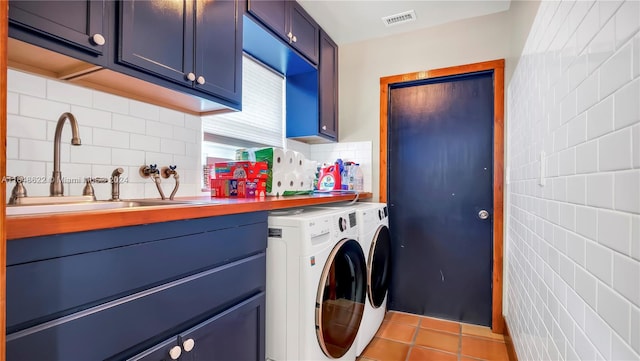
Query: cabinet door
pixel 328 84
pixel 157 37
pixel 272 13
pixel 219 49
pixel 236 334
pixel 305 32
pixel 77 23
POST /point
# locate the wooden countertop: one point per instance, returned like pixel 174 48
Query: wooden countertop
pixel 55 223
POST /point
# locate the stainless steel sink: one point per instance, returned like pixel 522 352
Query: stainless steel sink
pixel 79 206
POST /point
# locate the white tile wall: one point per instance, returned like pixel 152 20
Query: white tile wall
pixel 573 245
pixel 115 132
pixel 359 152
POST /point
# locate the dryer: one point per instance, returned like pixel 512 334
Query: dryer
pixel 375 240
pixel 316 285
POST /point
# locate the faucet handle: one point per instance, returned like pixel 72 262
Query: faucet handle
pixel 166 172
pixel 18 191
pixel 147 171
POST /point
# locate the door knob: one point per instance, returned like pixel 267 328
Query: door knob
pixel 483 214
pixel 175 352
pixel 191 77
pixel 98 39
pixel 188 345
pixel 200 80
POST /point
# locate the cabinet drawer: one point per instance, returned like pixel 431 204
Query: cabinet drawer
pixel 43 290
pixel 141 320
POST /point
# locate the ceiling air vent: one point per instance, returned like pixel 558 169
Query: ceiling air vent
pixel 400 18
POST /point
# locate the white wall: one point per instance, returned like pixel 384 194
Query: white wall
pixel 115 132
pixel 362 65
pixel 573 245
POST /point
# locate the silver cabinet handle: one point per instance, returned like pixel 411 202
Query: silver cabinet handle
pixel 191 76
pixel 483 214
pixel 175 352
pixel 98 39
pixel 324 127
pixel 294 39
pixel 188 345
pixel 200 80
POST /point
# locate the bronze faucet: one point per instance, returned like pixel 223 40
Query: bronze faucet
pixel 56 189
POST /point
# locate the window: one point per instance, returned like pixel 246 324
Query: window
pixel 261 121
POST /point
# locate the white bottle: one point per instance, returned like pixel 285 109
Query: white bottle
pixel 358 177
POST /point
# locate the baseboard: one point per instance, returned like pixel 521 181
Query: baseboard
pixel 511 350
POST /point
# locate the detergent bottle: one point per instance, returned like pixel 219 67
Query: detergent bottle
pixel 329 178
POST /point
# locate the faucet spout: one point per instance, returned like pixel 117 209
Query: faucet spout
pixel 56 188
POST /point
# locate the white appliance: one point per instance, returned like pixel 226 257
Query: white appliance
pixel 374 238
pixel 316 285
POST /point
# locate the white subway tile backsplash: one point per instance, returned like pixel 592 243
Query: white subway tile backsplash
pixel 567 162
pixel 615 310
pixel 636 55
pixel 600 118
pixel 126 157
pixel 91 155
pixel 172 117
pixel 627 105
pixel 598 332
pixel 24 83
pixel 635 145
pixel 616 71
pixel 110 138
pixel 627 191
pixel 12 145
pixel 600 190
pixel 587 222
pixel 576 248
pixel 615 151
pixel 587 157
pixel 614 230
pixel 599 262
pixel 144 110
pixel 190 122
pixel 586 286
pixel 620 350
pixel 110 103
pixel 184 134
pixel 585 350
pixel 567 216
pixel 602 46
pixel 157 129
pixel 186 163
pixel 635 329
pixel 144 142
pixel 627 21
pixel 172 146
pixel 635 237
pixel 626 273
pixel 160 159
pixel 42 108
pixel 607 9
pixel 91 117
pixel 578 130
pixel 576 189
pixel 68 93
pixel 13 103
pixel 129 124
pixel 25 127
pixel 38 150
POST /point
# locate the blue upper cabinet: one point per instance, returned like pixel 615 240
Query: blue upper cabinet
pixel 77 28
pixel 328 87
pixel 196 44
pixel 289 21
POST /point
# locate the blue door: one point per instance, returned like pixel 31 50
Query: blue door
pixel 440 193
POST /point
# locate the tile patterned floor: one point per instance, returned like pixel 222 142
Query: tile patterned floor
pixel 406 337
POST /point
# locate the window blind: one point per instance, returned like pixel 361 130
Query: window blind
pixel 261 120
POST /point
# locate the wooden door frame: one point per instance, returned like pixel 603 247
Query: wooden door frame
pixel 4 33
pixel 497 66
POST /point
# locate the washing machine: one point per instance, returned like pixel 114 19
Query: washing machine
pixel 375 240
pixel 316 285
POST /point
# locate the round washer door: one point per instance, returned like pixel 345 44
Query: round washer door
pixel 340 298
pixel 378 266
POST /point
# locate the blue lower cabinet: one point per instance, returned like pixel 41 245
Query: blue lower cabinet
pixel 205 303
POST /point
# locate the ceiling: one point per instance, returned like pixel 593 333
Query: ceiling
pixel 349 21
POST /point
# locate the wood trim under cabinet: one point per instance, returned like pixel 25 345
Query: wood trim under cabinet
pixel 497 66
pixel 4 33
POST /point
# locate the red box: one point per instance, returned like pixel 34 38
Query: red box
pixel 242 179
pixel 241 170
